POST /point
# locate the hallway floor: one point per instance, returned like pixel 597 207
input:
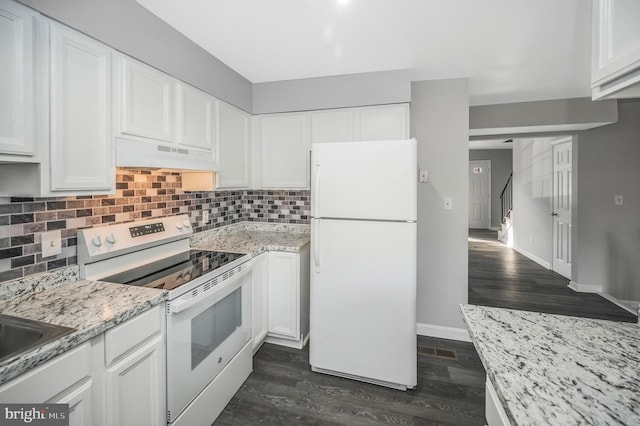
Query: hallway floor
pixel 500 276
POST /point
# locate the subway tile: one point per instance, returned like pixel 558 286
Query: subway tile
pixel 10 252
pixel 17 262
pixel 31 228
pixel 45 216
pixel 56 205
pixel 58 224
pixel 21 218
pixel 21 240
pixel 11 274
pixel 36 268
pixel 10 208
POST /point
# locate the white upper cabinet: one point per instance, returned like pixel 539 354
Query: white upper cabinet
pixel 385 122
pixel 233 147
pixel 195 117
pixel 146 101
pixel 615 71
pixel 284 151
pixel 333 125
pixel 16 79
pixel 81 146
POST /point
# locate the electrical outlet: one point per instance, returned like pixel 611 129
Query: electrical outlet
pixel 205 217
pixel 51 243
pixel 617 199
pixel 448 204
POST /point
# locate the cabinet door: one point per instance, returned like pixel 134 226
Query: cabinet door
pixel 16 79
pixel 135 387
pixel 259 304
pixel 616 39
pixel 79 401
pixel 333 126
pixel 233 147
pixel 284 151
pixel 194 117
pixel 284 295
pixel 386 122
pixel 82 155
pixel 146 101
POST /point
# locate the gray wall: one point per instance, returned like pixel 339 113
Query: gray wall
pixel 541 116
pixel 130 28
pixel 532 197
pixel 606 242
pixel 501 166
pixel 374 88
pixel 440 123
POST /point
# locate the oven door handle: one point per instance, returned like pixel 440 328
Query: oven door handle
pixel 181 305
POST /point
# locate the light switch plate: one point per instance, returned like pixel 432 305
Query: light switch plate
pixel 448 204
pixel 51 243
pixel 423 176
pixel 205 217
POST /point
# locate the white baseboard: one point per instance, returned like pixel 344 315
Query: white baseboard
pixel 442 332
pixel 533 257
pixel 584 288
pixel 628 305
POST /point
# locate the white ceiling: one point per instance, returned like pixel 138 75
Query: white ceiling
pixel 504 143
pixel 511 50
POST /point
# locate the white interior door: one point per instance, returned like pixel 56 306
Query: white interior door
pixel 561 261
pixel 480 194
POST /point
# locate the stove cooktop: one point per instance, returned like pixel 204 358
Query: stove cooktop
pixel 175 271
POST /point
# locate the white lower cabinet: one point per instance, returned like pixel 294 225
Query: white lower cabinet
pixel 135 387
pixel 259 302
pixel 117 378
pixel 288 298
pixel 79 400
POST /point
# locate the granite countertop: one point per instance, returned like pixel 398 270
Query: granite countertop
pixel 559 370
pixel 58 297
pixel 254 238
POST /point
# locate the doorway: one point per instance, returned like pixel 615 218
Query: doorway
pixel 480 194
pixel 561 211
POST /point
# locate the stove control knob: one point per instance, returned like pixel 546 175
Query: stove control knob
pixel 111 238
pixel 186 223
pixel 179 225
pixel 97 241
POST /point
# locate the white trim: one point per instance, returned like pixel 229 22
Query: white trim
pixel 533 257
pixel 495 228
pixel 443 332
pixel 627 305
pixel 584 288
pixel 495 131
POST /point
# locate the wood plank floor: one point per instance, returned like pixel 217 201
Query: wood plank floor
pixel 500 276
pixel 282 390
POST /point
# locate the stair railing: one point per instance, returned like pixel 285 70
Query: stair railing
pixel 506 197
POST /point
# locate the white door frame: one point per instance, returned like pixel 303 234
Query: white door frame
pixel 561 213
pixel 487 165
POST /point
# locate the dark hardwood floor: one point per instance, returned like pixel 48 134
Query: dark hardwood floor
pixel 282 390
pixel 500 276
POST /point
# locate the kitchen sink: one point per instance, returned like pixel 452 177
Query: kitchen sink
pixel 19 335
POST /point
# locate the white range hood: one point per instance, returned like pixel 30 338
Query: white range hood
pixel 136 153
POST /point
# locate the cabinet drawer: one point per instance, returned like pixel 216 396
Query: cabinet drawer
pixel 130 334
pixel 48 380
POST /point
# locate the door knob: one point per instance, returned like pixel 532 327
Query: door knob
pixel 554 214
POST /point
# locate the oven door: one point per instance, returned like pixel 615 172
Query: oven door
pixel 206 327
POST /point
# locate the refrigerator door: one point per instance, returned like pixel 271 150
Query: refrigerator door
pixel 365 180
pixel 363 301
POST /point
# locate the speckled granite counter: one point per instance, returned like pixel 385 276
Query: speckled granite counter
pixel 254 238
pixel 90 307
pixel 559 370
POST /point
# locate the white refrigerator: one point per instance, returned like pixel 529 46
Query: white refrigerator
pixel 363 261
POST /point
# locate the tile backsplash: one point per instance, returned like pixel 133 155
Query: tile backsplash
pixel 140 194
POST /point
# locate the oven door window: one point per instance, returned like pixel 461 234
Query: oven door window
pixel 213 326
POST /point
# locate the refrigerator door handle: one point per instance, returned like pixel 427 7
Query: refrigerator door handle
pixel 316 192
pixel 316 246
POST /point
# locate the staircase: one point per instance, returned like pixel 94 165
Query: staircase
pixel 505 228
pixel 506 202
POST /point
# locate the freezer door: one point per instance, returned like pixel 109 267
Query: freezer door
pixel 364 180
pixel 363 299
